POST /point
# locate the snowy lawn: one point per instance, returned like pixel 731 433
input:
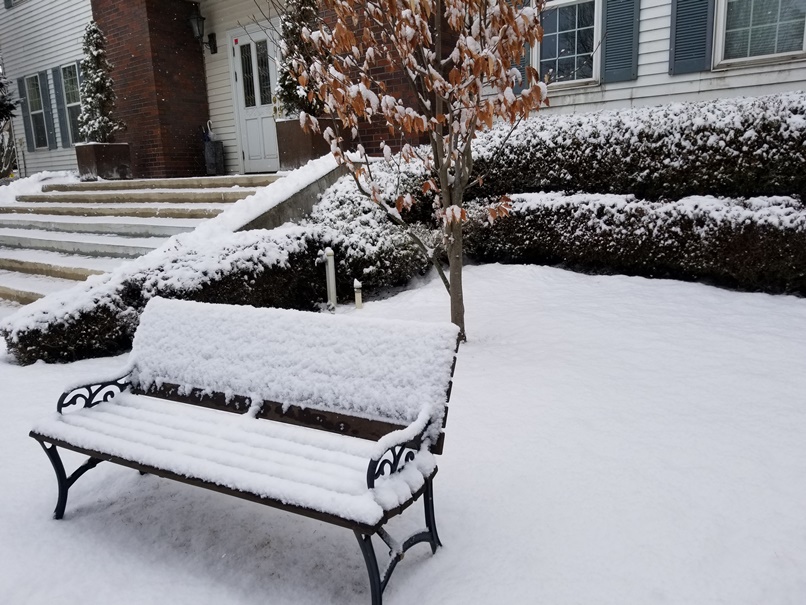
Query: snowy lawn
pixel 612 440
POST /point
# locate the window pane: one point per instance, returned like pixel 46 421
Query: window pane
pixel 738 13
pixel 793 10
pixel 585 41
pixel 548 68
pixel 566 69
pixel 40 132
pixel 790 37
pixel 548 19
pixel 765 12
pixel 248 75
pixel 584 67
pixel 736 44
pixel 762 41
pixel 34 96
pixel 548 48
pixel 585 15
pixel 72 117
pixel 263 73
pixel 568 18
pixel 567 44
pixel 70 83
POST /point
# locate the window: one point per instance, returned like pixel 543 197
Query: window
pixel 72 100
pixel 36 110
pixel 760 28
pixel 570 39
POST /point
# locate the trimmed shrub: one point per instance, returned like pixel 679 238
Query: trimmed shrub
pixel 731 147
pixel 280 268
pixel 757 244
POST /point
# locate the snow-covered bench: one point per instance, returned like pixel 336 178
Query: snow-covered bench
pixel 332 417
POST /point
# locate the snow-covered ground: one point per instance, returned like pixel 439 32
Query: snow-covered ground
pixel 611 440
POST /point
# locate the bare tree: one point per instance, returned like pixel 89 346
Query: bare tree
pixel 461 58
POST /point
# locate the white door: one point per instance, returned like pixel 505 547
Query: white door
pixel 254 78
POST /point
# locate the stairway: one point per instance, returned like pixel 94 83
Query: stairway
pixel 68 232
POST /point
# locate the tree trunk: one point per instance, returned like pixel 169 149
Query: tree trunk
pixel 454 233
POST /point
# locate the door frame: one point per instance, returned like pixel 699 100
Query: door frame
pixel 245 32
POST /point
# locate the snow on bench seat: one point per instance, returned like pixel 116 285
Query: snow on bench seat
pixel 294 465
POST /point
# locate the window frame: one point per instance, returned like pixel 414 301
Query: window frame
pixel 74 136
pixel 41 111
pixel 596 78
pixel 720 33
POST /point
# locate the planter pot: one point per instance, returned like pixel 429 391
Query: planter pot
pixel 108 161
pixel 296 147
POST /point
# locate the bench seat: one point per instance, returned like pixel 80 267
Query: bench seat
pixel 297 466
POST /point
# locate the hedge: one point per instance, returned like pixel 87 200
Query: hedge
pixel 280 268
pixel 732 147
pixel 756 244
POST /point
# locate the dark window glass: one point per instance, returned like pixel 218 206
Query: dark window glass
pixel 263 73
pixel 248 75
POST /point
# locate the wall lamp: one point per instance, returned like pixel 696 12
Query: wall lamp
pixel 197 25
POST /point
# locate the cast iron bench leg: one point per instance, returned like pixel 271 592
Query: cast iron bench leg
pixel 365 542
pixel 65 482
pixel 377 583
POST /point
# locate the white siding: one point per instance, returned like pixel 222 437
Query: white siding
pixel 36 36
pixel 655 86
pixel 222 17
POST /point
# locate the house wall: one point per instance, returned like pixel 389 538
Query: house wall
pixel 223 16
pixel 655 86
pixel 36 36
pixel 160 84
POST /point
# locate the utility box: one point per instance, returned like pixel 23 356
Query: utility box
pixel 214 157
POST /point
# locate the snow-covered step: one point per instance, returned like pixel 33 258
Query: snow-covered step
pixel 55 264
pixel 243 180
pixel 79 243
pixel 128 226
pixel 157 196
pixel 25 288
pixel 184 211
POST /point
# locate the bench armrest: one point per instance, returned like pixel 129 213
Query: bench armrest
pixel 399 447
pixel 89 395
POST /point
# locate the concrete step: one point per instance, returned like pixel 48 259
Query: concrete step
pixel 181 211
pixel 243 180
pixel 24 288
pixel 55 264
pixel 127 226
pixel 79 243
pixel 156 196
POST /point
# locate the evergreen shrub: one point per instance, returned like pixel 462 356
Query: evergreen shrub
pixel 757 244
pixel 731 147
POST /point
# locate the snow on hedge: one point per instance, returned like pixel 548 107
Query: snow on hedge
pixel 733 147
pixel 369 248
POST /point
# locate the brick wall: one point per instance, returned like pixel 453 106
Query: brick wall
pixel 159 81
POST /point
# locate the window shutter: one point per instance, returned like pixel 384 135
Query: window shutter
pixel 26 116
pixel 61 110
pixel 620 43
pixel 45 88
pixel 691 36
pixel 80 75
pixel 8 3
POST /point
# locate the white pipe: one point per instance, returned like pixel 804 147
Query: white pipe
pixel 359 302
pixel 331 278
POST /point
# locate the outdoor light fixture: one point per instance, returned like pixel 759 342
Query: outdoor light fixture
pixel 197 25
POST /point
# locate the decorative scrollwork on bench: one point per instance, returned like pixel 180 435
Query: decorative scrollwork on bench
pixel 92 394
pixel 392 460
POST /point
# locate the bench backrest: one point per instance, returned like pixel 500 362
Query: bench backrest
pixel 328 371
